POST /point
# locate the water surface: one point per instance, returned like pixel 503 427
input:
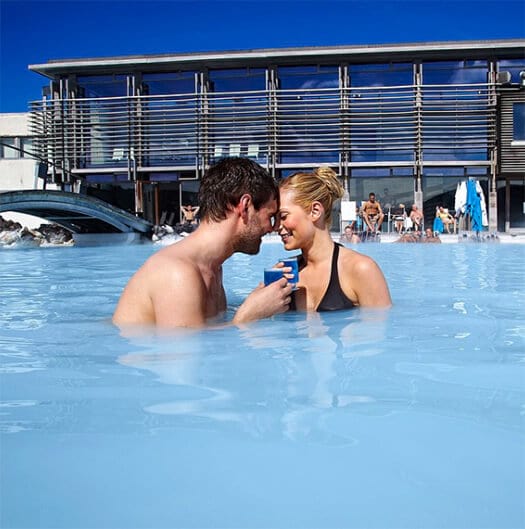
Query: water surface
pixel 415 419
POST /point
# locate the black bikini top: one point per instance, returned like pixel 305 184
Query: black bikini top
pixel 334 298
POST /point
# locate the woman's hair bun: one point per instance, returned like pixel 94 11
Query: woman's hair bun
pixel 329 178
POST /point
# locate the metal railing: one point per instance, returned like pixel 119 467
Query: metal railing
pixel 192 130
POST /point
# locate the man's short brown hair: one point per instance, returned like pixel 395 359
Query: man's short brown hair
pixel 224 183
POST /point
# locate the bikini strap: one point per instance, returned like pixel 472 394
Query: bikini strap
pixel 335 255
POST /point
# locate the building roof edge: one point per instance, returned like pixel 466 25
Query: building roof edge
pixel 268 54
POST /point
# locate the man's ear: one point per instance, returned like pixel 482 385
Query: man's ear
pixel 244 204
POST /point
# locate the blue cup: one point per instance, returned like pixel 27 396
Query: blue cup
pixel 294 265
pixel 272 274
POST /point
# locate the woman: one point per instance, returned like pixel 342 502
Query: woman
pixel 446 218
pixel 331 277
pixel 399 216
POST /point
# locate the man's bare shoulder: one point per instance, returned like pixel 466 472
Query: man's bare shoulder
pixel 169 262
pixel 153 295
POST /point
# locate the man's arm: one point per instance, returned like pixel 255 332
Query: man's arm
pixel 264 302
pixel 180 299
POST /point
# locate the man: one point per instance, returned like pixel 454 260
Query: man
pixel 181 285
pixel 372 213
pixel 430 236
pixel 189 213
pixel 349 236
pixel 416 216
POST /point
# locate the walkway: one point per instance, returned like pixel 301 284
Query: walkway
pixel 77 213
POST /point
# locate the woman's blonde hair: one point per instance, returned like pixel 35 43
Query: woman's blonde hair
pixel 321 185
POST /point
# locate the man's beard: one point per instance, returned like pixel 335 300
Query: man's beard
pixel 249 242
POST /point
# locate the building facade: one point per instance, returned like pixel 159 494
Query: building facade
pixel 18 166
pixel 408 122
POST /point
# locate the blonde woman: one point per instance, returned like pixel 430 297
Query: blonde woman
pixel 331 277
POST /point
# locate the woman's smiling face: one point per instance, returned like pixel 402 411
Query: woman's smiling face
pixel 295 225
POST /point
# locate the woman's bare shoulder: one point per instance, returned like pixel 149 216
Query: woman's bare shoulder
pixel 350 259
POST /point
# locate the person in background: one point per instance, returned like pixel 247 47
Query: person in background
pixel 399 216
pixel 430 236
pixel 386 200
pixel 331 277
pixel 416 216
pixel 181 285
pixel 410 236
pixel 189 213
pixel 349 236
pixel 446 218
pixel 372 213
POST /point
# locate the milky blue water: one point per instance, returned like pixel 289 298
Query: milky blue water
pixel 349 419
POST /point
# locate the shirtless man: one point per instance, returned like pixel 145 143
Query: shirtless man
pixel 416 216
pixel 349 236
pixel 430 237
pixel 181 285
pixel 372 213
pixel 190 213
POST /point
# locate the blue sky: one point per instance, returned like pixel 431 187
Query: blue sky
pixel 33 32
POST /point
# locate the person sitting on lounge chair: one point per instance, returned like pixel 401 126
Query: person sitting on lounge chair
pixel 373 214
pixel 399 216
pixel 446 218
pixel 416 216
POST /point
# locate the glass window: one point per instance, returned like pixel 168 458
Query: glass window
pixel 168 113
pixel 519 121
pixel 309 116
pixel 513 66
pixel 168 83
pixel 390 191
pixel 457 118
pixel 238 109
pixel 27 147
pixel 455 72
pixel 103 115
pixel 102 85
pixel 382 112
pixel 439 189
pixel 8 148
pixel 390 74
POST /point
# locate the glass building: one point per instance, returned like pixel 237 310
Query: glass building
pixel 406 121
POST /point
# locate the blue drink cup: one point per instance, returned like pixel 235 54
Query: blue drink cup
pixel 272 274
pixel 294 265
